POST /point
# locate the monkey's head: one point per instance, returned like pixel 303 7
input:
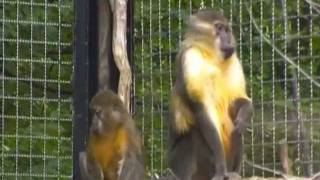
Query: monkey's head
pixel 212 29
pixel 108 112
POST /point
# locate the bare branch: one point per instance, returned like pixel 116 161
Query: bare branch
pixel 105 45
pixel 273 178
pixel 284 157
pixel 266 169
pixel 284 176
pixel 315 6
pixel 119 50
pixel 316 176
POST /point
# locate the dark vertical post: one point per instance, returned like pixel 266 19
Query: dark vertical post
pixel 130 44
pixel 80 79
pixel 85 76
pixel 93 47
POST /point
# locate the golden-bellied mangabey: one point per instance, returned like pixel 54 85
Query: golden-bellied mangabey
pixel 210 107
pixel 114 146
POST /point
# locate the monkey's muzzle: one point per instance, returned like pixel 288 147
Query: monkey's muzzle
pixel 96 126
pixel 227 51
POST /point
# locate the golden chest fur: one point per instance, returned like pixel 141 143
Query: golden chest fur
pixel 216 83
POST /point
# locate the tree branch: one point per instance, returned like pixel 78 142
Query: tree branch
pixel 315 6
pixel 284 176
pixel 286 58
pixel 119 50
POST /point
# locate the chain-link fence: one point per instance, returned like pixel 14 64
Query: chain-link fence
pixel 35 73
pixel 278 44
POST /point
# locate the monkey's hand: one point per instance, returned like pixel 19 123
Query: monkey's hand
pixel 244 113
pixel 228 176
pixel 89 170
pixel 240 126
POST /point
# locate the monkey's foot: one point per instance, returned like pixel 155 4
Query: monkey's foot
pixel 228 176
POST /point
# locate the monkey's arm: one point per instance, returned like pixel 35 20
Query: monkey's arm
pixel 89 170
pixel 241 112
pixel 193 71
pixel 243 109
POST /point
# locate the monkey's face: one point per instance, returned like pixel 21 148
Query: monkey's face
pixel 224 40
pixel 212 29
pixel 105 119
pixel 107 112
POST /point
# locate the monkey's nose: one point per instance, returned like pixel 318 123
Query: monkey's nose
pixel 96 126
pixel 227 51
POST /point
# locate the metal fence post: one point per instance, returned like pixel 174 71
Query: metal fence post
pixel 85 73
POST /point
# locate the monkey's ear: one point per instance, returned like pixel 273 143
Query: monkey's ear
pixel 193 21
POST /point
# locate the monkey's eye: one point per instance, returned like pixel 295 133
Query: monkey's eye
pixel 99 114
pixel 219 27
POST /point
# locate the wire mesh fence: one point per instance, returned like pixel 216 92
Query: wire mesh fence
pixel 279 46
pixel 36 67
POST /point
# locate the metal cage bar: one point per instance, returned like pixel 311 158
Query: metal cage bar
pixel 85 76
